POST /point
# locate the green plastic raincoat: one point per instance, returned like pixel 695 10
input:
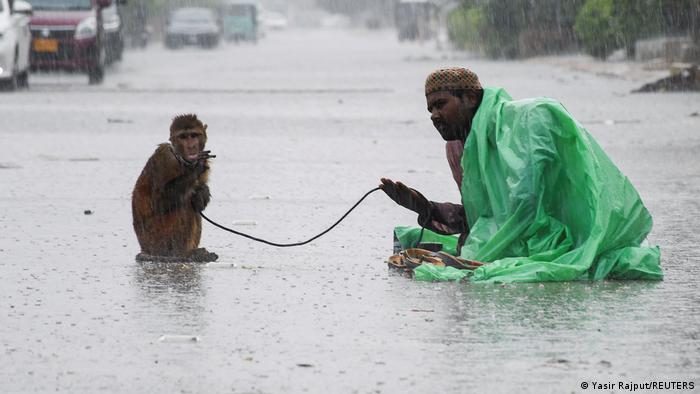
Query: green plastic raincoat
pixel 544 202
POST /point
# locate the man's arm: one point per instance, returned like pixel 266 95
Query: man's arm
pixel 445 218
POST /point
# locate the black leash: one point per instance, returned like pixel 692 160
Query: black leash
pixel 295 243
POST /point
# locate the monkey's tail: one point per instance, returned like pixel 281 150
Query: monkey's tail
pixel 280 245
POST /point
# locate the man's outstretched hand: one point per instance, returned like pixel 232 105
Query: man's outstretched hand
pixel 406 197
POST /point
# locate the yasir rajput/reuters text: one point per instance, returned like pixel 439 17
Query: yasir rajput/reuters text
pixel 633 386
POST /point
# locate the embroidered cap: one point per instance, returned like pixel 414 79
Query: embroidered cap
pixel 453 78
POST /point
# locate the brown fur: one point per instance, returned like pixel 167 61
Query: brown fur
pixel 165 221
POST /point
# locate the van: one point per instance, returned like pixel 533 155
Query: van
pixel 240 20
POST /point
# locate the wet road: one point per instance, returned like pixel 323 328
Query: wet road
pixel 312 120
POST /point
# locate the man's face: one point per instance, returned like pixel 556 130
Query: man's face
pixel 451 115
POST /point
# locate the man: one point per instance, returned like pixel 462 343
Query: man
pixel 541 201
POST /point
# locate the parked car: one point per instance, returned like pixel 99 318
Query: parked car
pixel 15 41
pixel 69 35
pixel 274 20
pixel 240 20
pixel 192 26
pixel 114 34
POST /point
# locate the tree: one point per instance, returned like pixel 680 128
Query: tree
pixel 596 28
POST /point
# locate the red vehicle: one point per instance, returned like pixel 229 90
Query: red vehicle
pixel 69 35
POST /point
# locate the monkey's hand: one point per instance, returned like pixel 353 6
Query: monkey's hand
pixel 205 154
pixel 200 162
pixel 200 198
pixel 200 165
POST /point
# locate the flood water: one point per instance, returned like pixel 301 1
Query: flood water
pixel 303 124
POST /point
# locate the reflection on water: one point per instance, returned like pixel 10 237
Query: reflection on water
pixel 171 291
pixel 555 330
pixel 570 305
pixel 156 278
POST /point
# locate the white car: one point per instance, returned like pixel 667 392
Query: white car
pixel 15 41
pixel 274 20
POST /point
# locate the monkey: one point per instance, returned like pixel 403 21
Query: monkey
pixel 169 194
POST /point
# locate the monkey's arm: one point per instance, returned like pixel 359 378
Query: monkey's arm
pixel 173 180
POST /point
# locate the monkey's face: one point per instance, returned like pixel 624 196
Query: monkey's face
pixel 189 143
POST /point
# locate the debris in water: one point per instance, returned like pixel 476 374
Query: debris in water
pixel 304 365
pixel 83 159
pixel 57 158
pixel 115 120
pixel 612 122
pixel 220 265
pixel 199 255
pixel 87 212
pixel 178 338
pixel 260 197
pixel 695 114
pixel 245 222
pixel 559 361
pixel 684 78
pixel 7 166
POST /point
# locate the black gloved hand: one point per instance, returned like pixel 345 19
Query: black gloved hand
pixel 407 197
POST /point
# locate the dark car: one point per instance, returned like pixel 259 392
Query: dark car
pixel 69 35
pixel 192 26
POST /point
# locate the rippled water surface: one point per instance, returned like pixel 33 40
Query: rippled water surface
pixel 313 120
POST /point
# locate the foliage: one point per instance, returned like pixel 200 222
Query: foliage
pixel 464 26
pixel 485 27
pixel 548 26
pixel 595 27
pixel 513 28
pixel 633 20
pixel 605 25
pixel 517 28
pixel 678 17
pixel 503 21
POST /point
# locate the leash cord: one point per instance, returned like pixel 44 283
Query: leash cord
pixel 295 243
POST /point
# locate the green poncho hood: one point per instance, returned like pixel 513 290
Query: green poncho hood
pixel 544 202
